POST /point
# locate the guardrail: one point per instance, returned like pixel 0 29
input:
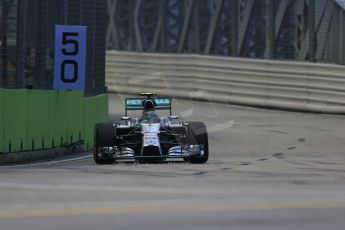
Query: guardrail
pixel 286 85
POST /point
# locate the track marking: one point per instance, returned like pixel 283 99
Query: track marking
pixel 100 188
pixel 48 163
pixel 154 209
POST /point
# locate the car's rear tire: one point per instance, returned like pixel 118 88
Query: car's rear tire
pixel 197 135
pixel 104 137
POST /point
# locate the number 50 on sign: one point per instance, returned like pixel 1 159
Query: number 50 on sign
pixel 70 57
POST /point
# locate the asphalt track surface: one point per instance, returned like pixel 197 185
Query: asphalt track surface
pixel 267 170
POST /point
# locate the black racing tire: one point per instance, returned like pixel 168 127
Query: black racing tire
pixel 104 137
pixel 197 135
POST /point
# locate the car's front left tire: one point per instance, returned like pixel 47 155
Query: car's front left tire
pixel 197 135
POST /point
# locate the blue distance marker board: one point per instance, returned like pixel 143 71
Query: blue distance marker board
pixel 70 57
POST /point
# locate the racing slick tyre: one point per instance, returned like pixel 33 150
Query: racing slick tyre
pixel 197 135
pixel 104 137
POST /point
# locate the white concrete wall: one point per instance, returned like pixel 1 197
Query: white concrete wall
pixel 273 84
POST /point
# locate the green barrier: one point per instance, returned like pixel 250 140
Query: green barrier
pixel 15 110
pixel 57 120
pixel 43 119
pixel 90 111
pixel 2 133
pixel 38 135
pixel 74 115
pixel 95 110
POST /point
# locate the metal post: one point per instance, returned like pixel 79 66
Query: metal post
pixel 162 35
pixel 244 24
pixel 195 38
pixel 131 34
pixel 341 25
pixel 159 27
pixel 312 35
pixel 93 84
pixel 270 34
pixel 100 35
pixel 215 9
pixel 137 32
pixel 21 41
pixel 234 26
pixel 4 56
pixel 187 15
pixel 112 37
pixel 40 45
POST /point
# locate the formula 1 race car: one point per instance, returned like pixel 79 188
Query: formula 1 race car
pixel 150 138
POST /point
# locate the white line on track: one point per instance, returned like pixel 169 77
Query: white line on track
pixel 99 188
pixel 48 163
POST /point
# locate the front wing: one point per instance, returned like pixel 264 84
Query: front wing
pixel 176 152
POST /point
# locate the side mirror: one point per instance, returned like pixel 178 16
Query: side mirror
pixel 125 118
pixel 173 117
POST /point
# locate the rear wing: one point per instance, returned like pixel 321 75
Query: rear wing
pixel 162 103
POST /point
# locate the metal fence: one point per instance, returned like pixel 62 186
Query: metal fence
pixel 304 30
pixel 27 41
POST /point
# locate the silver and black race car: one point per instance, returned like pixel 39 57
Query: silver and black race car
pixel 150 138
